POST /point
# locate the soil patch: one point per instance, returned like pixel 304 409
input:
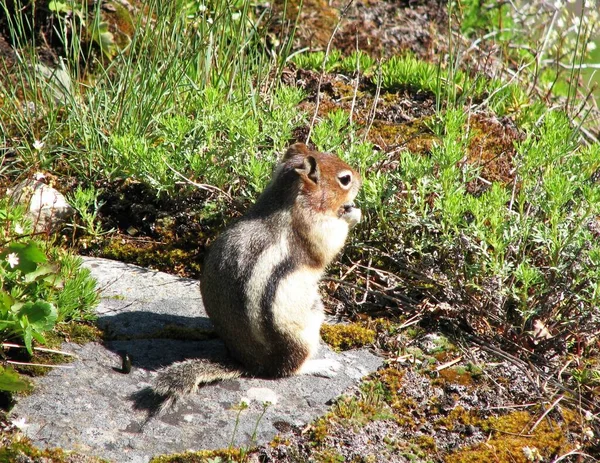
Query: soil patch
pixel 166 232
pixel 380 28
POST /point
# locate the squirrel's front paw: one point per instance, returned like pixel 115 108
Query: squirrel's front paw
pixel 327 368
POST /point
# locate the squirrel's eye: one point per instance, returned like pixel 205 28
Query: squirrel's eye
pixel 345 179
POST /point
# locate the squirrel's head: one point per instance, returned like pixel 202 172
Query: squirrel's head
pixel 327 185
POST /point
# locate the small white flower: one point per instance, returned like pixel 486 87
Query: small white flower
pixel 244 401
pixel 21 423
pixel 588 434
pixel 38 145
pixel 532 454
pixel 262 395
pixel 202 8
pixel 12 259
pixel 591 46
pixel 18 229
pixel 589 416
pixel 236 16
pixel 209 20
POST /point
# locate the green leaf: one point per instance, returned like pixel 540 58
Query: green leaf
pixel 16 306
pixel 105 39
pixel 38 337
pixel 41 315
pixel 42 270
pixel 56 281
pixel 6 323
pixel 11 381
pixel 6 302
pixel 58 7
pixel 30 255
pixel 28 337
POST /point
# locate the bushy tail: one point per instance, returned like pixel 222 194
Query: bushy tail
pixel 183 378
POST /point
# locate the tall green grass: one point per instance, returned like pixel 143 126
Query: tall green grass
pixel 191 78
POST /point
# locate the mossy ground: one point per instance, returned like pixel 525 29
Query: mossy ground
pixel 347 336
pixel 206 456
pixel 420 410
pixel 164 232
pixel 14 447
pixel 510 438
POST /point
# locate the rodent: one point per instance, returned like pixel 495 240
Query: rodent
pixel 260 278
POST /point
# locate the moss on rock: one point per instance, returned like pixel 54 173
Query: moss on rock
pixel 347 336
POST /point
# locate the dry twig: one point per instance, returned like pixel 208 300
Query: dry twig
pixel 12 362
pixel 6 345
pixel 554 404
pixel 202 186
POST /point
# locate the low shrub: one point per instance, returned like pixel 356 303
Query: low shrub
pixel 40 286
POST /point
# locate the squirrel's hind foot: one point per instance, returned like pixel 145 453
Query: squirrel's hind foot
pixel 326 368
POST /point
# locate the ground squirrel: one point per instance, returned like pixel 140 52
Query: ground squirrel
pixel 260 277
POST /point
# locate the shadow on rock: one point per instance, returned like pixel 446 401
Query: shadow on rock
pixel 151 324
pixel 162 340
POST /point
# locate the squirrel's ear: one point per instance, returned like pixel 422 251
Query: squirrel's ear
pixel 297 149
pixel 310 169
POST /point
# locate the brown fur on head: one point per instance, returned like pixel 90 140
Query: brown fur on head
pixel 328 185
pixel 323 188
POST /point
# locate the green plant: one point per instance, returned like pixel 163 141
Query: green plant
pixel 514 252
pixel 78 25
pixel 358 61
pixel 11 381
pixel 208 62
pixel 477 15
pixel 549 59
pixel 38 288
pixel 453 86
pixel 332 133
pixel 85 202
pixel 408 71
pixel 26 279
pixel 78 295
pixel 316 60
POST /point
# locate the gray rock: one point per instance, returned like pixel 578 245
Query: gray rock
pixel 46 207
pixel 58 81
pixel 90 409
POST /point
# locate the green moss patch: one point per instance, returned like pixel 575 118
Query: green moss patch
pixel 347 336
pixel 160 256
pixel 16 448
pixel 205 456
pixel 353 411
pixel 512 440
pixel 77 332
